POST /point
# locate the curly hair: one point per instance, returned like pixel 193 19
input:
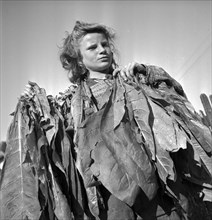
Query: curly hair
pixel 70 56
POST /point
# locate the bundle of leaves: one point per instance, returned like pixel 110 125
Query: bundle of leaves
pixel 142 140
pixel 39 179
pixel 140 124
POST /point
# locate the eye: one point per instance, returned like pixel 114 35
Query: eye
pixel 92 47
pixel 105 44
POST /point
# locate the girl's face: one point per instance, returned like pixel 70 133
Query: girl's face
pixel 96 52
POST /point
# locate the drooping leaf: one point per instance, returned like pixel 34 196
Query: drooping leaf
pixel 119 104
pixel 43 109
pixel 142 115
pixel 165 165
pixel 76 191
pixel 2 155
pixel 64 142
pixel 46 194
pixel 166 131
pixel 76 107
pixel 196 164
pixel 54 199
pixel 202 134
pixel 199 154
pixel 187 113
pixel 114 156
pixel 61 207
pixel 160 130
pixel 19 188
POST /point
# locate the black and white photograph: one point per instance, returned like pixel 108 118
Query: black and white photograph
pixel 105 110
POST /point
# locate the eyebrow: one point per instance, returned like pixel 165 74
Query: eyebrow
pixel 91 45
pixel 94 43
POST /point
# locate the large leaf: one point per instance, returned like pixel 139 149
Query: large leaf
pixel 165 165
pixel 160 131
pixel 42 106
pixel 62 142
pixel 76 107
pixel 137 104
pixel 65 193
pixel 77 193
pixel 2 155
pixel 113 155
pixel 198 158
pixel 166 130
pixel 187 113
pixel 61 207
pixel 19 188
pixel 56 145
pixel 119 104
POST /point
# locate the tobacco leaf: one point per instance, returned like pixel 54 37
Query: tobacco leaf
pixel 129 155
pixel 119 104
pixel 202 134
pixel 47 154
pixel 57 154
pixel 45 193
pixel 114 156
pixel 61 206
pixel 165 165
pixel 186 126
pixel 195 165
pixel 66 190
pixel 77 194
pixel 198 154
pixel 161 132
pixel 63 141
pixel 54 199
pixel 192 120
pixel 19 188
pixel 42 106
pixel 166 131
pixel 87 137
pixel 76 106
pixel 199 166
pixel 142 114
pixel 2 156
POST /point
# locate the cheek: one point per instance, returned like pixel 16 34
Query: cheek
pixel 88 57
pixel 88 61
pixel 110 53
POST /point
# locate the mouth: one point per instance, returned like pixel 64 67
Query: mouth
pixel 103 58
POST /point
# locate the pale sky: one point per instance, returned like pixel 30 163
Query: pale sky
pixel 175 35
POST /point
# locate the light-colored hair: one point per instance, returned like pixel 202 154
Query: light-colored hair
pixel 70 56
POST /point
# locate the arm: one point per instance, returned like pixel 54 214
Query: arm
pixel 149 74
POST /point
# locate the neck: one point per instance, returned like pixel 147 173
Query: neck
pixel 98 75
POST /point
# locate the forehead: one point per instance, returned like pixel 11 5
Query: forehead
pixel 93 38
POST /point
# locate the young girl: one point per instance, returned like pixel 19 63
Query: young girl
pixel 126 143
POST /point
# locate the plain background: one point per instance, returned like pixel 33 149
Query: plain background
pixel 175 35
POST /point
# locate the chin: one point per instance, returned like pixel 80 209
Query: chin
pixel 104 68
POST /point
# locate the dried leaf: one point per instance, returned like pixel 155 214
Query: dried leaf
pixel 44 111
pixel 19 189
pixel 165 165
pixel 2 155
pixel 62 208
pixel 166 131
pixel 119 162
pixel 142 114
pixel 119 104
pixel 202 134
pixel 63 140
pixel 76 107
